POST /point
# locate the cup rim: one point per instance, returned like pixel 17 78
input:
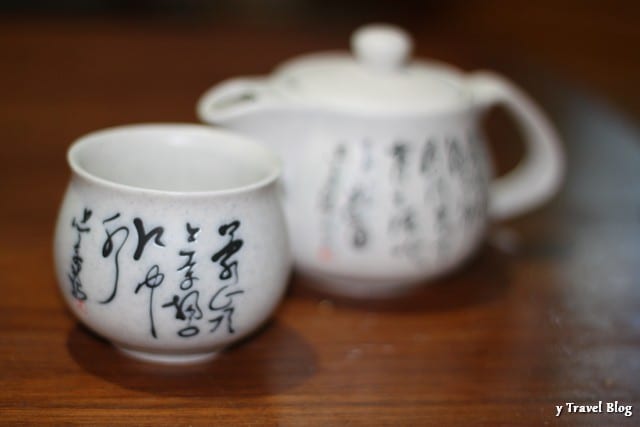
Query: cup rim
pixel 275 164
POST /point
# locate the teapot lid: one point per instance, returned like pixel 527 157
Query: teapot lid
pixel 378 77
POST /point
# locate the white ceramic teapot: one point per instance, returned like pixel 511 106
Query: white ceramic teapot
pixel 387 180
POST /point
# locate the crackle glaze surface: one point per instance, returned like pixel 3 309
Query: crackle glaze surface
pixel 171 275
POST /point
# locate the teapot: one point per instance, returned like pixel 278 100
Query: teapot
pixel 387 181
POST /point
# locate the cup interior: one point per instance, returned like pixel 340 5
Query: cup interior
pixel 173 158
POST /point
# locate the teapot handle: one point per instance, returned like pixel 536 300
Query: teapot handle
pixel 539 175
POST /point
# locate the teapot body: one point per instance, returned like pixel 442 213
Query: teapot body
pixel 377 204
pixel 386 177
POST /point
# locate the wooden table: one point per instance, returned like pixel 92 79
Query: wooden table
pixel 547 313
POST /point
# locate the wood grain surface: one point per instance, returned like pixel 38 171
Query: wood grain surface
pixel 547 312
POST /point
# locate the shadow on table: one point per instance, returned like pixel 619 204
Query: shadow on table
pixel 484 278
pixel 271 361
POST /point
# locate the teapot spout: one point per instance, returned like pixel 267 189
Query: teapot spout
pixel 237 101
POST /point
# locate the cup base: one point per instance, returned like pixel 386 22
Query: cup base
pixel 170 359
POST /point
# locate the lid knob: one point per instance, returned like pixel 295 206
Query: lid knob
pixel 381 47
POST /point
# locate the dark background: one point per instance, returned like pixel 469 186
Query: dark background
pixel 593 43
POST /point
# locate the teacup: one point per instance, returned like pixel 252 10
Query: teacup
pixel 170 241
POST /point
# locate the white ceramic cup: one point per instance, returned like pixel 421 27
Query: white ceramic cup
pixel 170 241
